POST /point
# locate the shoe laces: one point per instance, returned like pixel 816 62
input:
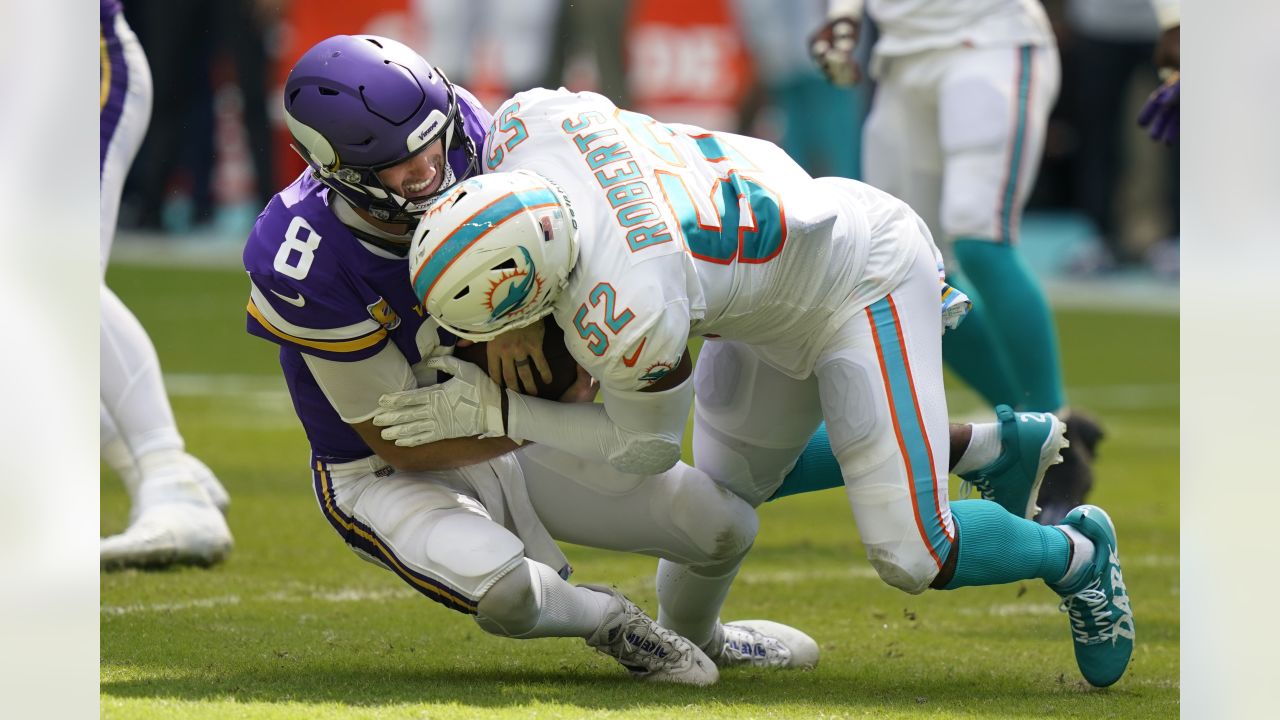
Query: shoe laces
pixel 640 644
pixel 743 646
pixel 983 486
pixel 1092 606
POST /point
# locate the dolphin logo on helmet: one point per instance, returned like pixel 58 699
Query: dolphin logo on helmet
pixel 508 232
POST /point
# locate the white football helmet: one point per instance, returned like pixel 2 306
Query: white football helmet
pixel 493 253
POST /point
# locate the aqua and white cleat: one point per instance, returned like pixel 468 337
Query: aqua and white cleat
pixel 1031 443
pixel 1098 603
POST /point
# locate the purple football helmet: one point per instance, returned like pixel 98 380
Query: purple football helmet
pixel 356 104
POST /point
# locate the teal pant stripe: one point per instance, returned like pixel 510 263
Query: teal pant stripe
pixel 1019 137
pixel 909 427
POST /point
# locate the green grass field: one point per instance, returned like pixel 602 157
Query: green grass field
pixel 296 626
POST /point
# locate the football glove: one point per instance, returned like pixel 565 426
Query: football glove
pixel 1160 115
pixel 467 405
pixel 832 46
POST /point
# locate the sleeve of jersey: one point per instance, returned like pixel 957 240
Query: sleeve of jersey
pixel 647 349
pixel 537 114
pixel 314 321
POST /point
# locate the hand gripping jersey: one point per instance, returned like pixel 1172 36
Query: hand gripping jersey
pixel 317 289
pixel 686 231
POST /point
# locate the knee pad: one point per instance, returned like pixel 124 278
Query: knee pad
pixel 719 523
pixel 510 606
pixel 886 523
pixel 472 552
pixel 719 374
pixel 857 421
pixel 751 472
pixel 910 577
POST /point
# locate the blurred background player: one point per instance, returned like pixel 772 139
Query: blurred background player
pixel 956 129
pixel 467 523
pixel 177 504
pixel 819 299
pixel 1107 49
pixel 1160 114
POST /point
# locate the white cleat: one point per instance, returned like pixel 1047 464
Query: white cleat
pixel 176 523
pixel 174 534
pixel 646 649
pixel 763 643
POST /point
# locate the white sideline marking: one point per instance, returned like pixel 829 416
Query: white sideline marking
pixel 339 595
pixel 171 607
pixel 202 384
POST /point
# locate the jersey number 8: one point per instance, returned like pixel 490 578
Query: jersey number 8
pixel 300 241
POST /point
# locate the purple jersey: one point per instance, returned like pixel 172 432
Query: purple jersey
pixel 113 77
pixel 317 289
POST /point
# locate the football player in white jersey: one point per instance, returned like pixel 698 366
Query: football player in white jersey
pixel 177 504
pixel 819 299
pixel 956 129
pixel 470 523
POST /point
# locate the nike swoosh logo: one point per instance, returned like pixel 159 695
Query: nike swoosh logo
pixel 294 301
pixel 631 361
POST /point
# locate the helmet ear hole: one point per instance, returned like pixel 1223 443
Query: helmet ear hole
pixel 462 293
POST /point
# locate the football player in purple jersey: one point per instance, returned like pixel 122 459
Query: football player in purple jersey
pixel 468 522
pixel 177 503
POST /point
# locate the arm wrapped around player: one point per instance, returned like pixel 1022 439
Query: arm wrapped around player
pixel 635 432
pixel 468 405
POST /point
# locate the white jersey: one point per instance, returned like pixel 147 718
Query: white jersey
pixel 911 26
pixel 684 231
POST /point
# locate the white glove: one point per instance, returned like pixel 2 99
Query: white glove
pixel 468 405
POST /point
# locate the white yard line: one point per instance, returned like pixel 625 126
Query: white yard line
pixel 337 595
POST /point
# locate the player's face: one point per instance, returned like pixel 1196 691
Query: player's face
pixel 419 176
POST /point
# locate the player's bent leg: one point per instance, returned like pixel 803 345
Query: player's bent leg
pixel 997 547
pixel 1005 460
pixel 700 530
pixel 419 525
pixel 885 408
pixel 535 602
pixel 898 501
pixel 681 514
pixel 751 423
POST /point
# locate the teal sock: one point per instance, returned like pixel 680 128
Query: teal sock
pixel 816 469
pixel 998 547
pixel 1021 322
pixel 973 352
